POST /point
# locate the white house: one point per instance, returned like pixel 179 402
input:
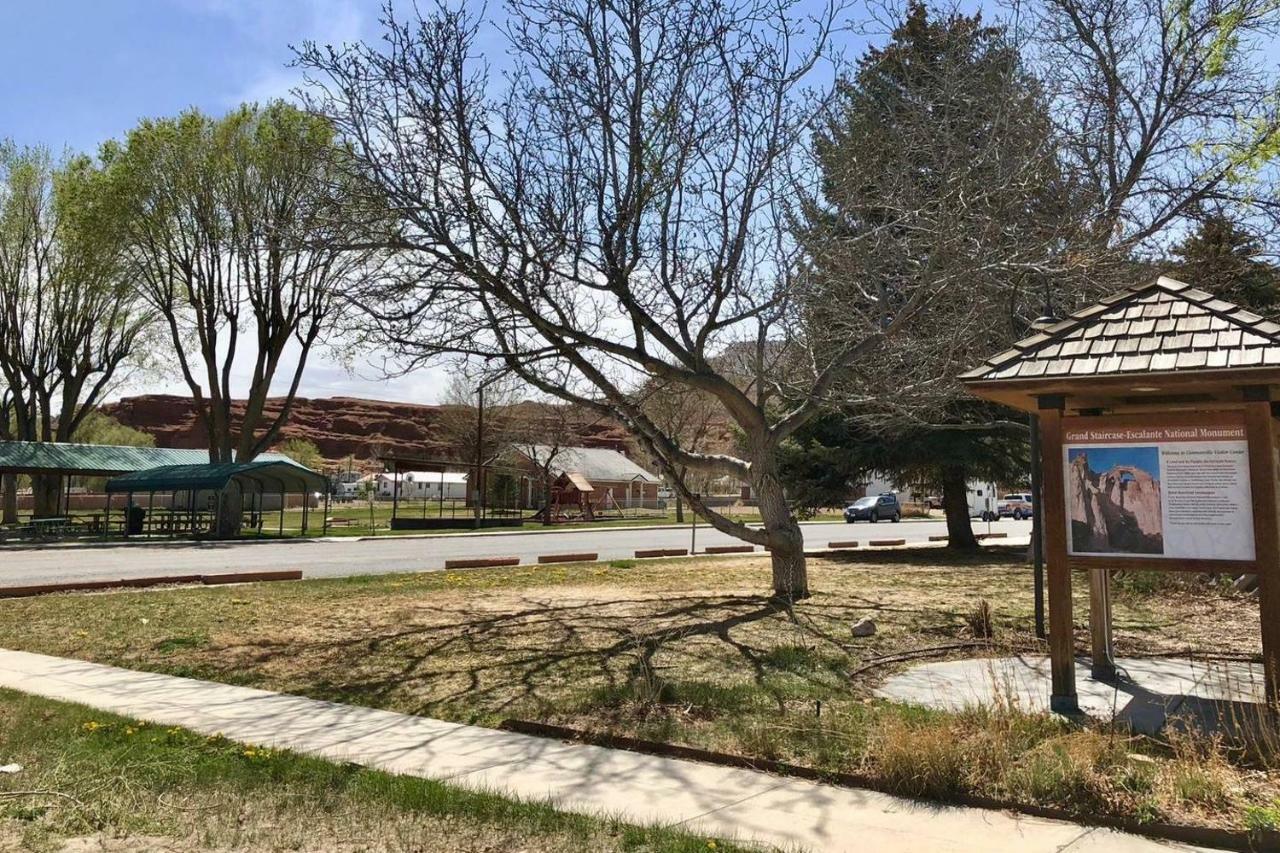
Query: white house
pixel 423 485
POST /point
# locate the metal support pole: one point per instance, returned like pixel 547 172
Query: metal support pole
pixel 324 530
pixel 281 531
pixel 106 519
pixel 1037 529
pixel 151 508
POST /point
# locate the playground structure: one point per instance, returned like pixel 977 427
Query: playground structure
pixel 575 498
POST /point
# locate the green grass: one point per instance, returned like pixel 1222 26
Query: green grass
pixel 691 652
pixel 99 775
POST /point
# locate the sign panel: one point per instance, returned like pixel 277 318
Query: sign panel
pixel 1160 490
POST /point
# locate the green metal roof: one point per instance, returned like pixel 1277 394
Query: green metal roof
pixel 99 460
pixel 259 476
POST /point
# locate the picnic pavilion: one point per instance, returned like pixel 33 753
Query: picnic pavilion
pixel 189 482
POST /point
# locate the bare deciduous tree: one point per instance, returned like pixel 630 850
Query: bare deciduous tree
pixel 694 421
pixel 614 213
pixel 1165 108
pixel 459 419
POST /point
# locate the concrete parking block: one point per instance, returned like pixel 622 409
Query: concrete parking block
pixel 580 557
pixel 481 562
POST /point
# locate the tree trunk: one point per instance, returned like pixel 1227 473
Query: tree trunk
pixel 679 510
pixel 46 496
pixel 230 512
pixel 9 486
pixel 955 503
pixel 786 541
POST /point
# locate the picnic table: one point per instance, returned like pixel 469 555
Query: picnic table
pixel 50 526
pixel 98 521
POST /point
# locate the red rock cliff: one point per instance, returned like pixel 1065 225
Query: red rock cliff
pixel 339 426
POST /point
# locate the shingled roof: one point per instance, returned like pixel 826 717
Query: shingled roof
pixel 1162 327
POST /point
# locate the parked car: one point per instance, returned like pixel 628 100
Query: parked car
pixel 1016 506
pixel 873 508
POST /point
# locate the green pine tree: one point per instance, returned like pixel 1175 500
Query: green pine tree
pixel 1222 257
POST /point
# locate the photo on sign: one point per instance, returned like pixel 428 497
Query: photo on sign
pixel 1114 501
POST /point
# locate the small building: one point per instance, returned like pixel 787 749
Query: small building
pixel 610 478
pixel 423 485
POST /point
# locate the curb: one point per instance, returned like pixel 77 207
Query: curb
pixel 1267 840
pixel 140 583
pixel 847 543
pixel 885 543
pixel 729 549
pixel 663 552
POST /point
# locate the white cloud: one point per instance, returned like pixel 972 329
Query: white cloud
pixel 269 27
pixel 323 376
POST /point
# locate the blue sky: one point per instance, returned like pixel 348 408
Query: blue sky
pixel 78 72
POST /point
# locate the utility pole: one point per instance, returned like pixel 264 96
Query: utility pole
pixel 479 484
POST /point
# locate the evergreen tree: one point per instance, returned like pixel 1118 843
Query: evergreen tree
pixel 938 162
pixel 1223 258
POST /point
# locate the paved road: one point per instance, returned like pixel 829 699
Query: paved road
pixel 336 557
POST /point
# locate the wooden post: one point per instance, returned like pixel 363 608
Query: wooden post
pixel 1266 535
pixel 1104 662
pixel 1054 518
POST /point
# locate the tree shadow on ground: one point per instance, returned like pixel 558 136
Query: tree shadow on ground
pixel 528 652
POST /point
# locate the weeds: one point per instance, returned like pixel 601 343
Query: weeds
pixel 980 623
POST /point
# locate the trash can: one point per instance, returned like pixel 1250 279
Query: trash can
pixel 134 518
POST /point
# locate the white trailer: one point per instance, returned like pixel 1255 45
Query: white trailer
pixel 982 499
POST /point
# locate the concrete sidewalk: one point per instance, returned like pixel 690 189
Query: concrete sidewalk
pixel 643 789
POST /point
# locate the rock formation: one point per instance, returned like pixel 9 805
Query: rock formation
pixel 1116 511
pixel 338 426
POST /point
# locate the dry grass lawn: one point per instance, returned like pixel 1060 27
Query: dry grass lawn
pixel 688 651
